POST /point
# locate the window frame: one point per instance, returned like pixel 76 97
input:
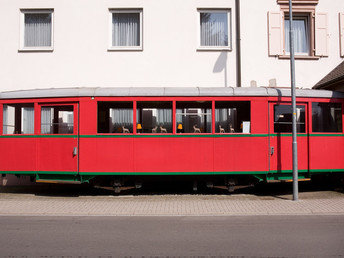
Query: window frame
pixel 229 29
pixel 286 103
pixel 18 105
pixel 174 100
pixel 117 133
pixel 310 111
pixel 300 10
pixel 57 104
pixel 206 114
pixel 158 133
pixel 125 48
pixel 22 47
pixel 233 101
pixel 299 16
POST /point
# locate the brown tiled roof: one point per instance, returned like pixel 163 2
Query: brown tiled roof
pixel 335 75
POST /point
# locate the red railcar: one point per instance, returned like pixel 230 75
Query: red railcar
pixel 79 134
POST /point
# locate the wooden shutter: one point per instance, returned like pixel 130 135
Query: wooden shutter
pixel 321 34
pixel 275 20
pixel 341 28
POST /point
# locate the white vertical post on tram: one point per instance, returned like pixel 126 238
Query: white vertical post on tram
pixel 293 100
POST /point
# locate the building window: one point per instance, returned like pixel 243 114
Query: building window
pixel 311 37
pixel 193 116
pixel 36 30
pixel 57 120
pixel 18 119
pixel 154 117
pixel 214 29
pixel 283 119
pixel 126 29
pixel 301 35
pixel 232 117
pixel 326 117
pixel 115 117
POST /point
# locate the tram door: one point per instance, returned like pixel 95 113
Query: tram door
pixel 58 141
pixel 280 138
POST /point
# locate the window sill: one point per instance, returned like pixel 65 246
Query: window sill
pixel 36 49
pixel 300 57
pixel 139 48
pixel 214 49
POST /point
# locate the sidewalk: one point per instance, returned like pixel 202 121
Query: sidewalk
pixel 324 203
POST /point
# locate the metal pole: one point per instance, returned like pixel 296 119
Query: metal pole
pixel 293 100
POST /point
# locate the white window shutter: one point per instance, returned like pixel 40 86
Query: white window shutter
pixel 321 34
pixel 341 27
pixel 275 20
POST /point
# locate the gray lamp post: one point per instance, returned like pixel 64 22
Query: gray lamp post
pixel 293 100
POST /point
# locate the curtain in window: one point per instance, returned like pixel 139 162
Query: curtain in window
pixel 37 31
pixel 27 120
pixel 125 29
pixel 4 119
pixel 120 117
pixel 9 113
pixel 301 44
pixel 214 29
pixel 46 120
pixel 164 116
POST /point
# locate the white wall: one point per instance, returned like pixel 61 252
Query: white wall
pixel 256 63
pixel 80 56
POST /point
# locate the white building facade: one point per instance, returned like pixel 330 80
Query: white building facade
pixel 82 50
pixel 171 48
pixel 319 41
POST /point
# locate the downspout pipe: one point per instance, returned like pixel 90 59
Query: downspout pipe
pixel 237 41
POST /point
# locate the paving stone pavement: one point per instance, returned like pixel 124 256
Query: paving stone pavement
pixel 169 205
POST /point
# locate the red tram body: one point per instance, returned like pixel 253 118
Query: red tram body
pixel 254 137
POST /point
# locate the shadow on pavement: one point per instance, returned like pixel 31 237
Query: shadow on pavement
pixel 280 190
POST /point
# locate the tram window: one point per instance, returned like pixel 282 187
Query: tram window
pixel 57 120
pixel 232 117
pixel 193 117
pixel 18 119
pixel 283 119
pixel 115 117
pixel 326 117
pixel 154 117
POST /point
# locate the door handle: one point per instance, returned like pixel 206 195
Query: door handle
pixel 272 150
pixel 75 151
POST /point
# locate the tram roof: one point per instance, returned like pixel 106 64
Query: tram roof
pixel 166 91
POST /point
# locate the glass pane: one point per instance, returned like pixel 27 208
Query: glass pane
pixel 126 29
pixel 154 117
pixel 283 119
pixel 115 117
pixel 193 117
pixel 27 120
pixel 232 117
pixel 18 119
pixel 301 42
pixel 214 28
pixel 57 120
pixel 8 119
pixel 37 32
pixel 326 117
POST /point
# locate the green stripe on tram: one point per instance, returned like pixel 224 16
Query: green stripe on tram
pixel 171 135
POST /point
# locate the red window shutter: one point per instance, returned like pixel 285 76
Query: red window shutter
pixel 276 38
pixel 341 28
pixel 321 34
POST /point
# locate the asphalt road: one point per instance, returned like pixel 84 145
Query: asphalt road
pixel 258 236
